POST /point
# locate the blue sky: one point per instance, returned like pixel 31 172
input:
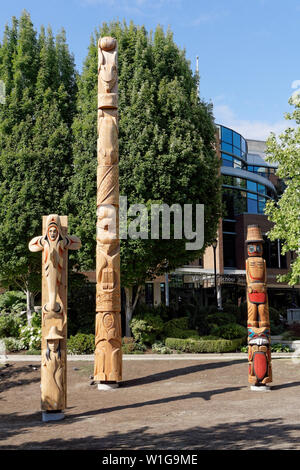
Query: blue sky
pixel 248 50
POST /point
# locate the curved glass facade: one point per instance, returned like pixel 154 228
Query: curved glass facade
pixel 233 148
pixel 248 193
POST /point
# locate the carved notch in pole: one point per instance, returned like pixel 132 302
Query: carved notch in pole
pixel 55 244
pixel 259 347
pixel 108 339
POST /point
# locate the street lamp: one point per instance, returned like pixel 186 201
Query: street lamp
pixel 214 245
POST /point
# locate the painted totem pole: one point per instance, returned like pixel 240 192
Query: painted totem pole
pixel 108 342
pixel 55 244
pixel 259 352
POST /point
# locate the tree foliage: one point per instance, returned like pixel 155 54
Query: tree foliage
pixel 35 141
pixel 166 143
pixel 286 212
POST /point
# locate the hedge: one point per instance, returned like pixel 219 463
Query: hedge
pixel 204 345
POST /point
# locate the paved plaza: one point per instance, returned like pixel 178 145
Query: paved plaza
pixel 198 403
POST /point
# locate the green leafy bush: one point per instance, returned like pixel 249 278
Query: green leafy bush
pixel 230 331
pixel 9 325
pixel 160 310
pixel 203 345
pixel 129 346
pixel 293 333
pixel 178 328
pixel 81 304
pixel 160 348
pixel 13 301
pixel 81 343
pixel 278 347
pixel 13 344
pixel 31 336
pixel 145 330
pixel 33 352
pixel 220 318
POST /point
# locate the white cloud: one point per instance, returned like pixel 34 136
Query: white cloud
pixel 257 130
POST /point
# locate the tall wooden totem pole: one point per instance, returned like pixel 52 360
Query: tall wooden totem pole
pixel 259 347
pixel 108 341
pixel 55 244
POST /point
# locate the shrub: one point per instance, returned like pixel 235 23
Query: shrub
pixel 293 332
pixel 178 328
pixel 220 318
pixel 277 347
pixel 9 325
pixel 145 330
pixel 81 304
pixel 81 343
pixel 13 344
pixel 31 337
pixel 13 301
pixel 276 329
pixel 160 348
pixel 230 331
pixel 129 346
pixel 160 310
pixel 33 352
pixel 203 345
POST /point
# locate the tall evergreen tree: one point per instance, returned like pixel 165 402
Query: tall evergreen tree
pixel 166 137
pixel 35 143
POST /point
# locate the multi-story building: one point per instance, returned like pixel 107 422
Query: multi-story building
pixel 248 182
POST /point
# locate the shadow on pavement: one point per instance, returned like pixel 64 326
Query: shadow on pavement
pixel 256 434
pixel 170 374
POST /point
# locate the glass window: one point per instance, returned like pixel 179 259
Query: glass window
pixel 149 293
pixel 237 151
pixel 226 160
pixel 240 182
pixel 162 292
pixel 236 140
pixel 252 205
pixel 261 189
pixel 243 145
pixel 226 147
pixel 229 250
pixel 228 226
pixel 237 163
pixel 261 205
pixel 226 135
pixel 251 186
pixel 262 172
pixel 250 168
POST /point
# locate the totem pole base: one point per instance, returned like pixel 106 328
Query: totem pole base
pixel 260 388
pixel 52 416
pixel 106 386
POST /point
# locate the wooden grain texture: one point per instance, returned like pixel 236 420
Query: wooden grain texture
pixel 259 352
pixel 108 336
pixel 54 308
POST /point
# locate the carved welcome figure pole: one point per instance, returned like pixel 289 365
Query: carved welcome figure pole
pixel 108 346
pixel 54 243
pixel 259 350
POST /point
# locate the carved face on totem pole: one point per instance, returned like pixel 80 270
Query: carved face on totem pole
pixel 52 233
pixel 255 249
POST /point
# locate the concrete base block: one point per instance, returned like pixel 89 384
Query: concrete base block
pixel 56 416
pixel 260 388
pixel 108 386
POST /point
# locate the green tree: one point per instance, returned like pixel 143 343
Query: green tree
pixel 166 141
pixel 35 144
pixel 285 212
